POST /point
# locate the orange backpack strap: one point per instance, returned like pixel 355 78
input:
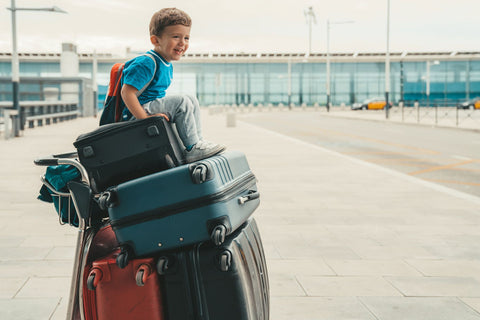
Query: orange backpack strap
pixel 115 75
pixel 117 91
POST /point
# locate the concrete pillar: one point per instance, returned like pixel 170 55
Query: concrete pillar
pixel 69 67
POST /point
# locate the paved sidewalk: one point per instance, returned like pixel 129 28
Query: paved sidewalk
pixel 344 239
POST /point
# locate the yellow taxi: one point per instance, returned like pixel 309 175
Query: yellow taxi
pixel 371 104
pixel 471 104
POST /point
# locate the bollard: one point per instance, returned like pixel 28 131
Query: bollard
pixel 12 123
pixel 400 105
pixel 231 120
pixel 211 110
pixel 416 105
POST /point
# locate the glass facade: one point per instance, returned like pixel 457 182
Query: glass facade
pixel 298 82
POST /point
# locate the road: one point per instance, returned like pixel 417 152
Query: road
pixel 446 156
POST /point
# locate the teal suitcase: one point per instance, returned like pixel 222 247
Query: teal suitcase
pixel 192 203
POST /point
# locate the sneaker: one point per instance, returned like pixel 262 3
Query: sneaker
pixel 203 149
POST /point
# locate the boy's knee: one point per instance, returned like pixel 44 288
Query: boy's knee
pixel 185 104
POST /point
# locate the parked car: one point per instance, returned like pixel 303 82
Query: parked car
pixel 470 104
pixel 371 104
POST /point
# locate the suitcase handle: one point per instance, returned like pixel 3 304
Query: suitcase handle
pixel 66 158
pixel 252 195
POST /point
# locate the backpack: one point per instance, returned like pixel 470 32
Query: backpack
pixel 114 105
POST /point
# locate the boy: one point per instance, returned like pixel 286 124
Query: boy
pixel 169 34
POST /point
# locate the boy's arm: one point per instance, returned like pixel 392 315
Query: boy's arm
pixel 129 96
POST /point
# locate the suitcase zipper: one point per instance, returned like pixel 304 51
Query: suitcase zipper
pixel 228 193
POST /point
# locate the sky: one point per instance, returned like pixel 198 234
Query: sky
pixel 252 26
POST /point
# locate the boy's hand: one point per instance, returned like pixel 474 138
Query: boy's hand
pixel 160 115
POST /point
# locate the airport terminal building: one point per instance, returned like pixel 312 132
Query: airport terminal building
pixel 264 78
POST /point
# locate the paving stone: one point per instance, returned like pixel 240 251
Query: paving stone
pixel 415 308
pixel 28 309
pixel 436 286
pixel 42 287
pixel 372 268
pixel 282 285
pixel 438 268
pixel 299 267
pixel 36 268
pixel 11 284
pixel 473 303
pixel 318 308
pixel 337 286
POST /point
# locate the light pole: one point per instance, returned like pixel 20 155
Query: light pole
pixel 310 16
pixel 15 63
pixel 427 79
pixel 329 23
pixel 387 62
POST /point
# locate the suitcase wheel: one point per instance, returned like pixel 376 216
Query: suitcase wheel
pixel 93 278
pixel 139 278
pixel 163 265
pixel 142 274
pixel 122 258
pixel 218 234
pixel 225 260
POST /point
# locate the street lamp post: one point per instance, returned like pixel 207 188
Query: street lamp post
pixel 310 16
pixel 329 23
pixel 15 62
pixel 387 63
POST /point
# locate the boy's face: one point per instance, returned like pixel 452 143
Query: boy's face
pixel 172 43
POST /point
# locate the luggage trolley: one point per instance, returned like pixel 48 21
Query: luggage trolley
pixel 81 196
pixel 207 279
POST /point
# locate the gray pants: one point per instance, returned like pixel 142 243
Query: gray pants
pixel 184 111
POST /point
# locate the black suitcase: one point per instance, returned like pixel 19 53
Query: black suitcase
pixel 208 282
pixel 118 152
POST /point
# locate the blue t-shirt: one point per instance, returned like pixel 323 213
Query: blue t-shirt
pixel 138 71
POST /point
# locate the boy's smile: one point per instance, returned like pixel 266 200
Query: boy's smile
pixel 172 43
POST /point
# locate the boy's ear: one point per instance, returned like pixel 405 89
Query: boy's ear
pixel 154 40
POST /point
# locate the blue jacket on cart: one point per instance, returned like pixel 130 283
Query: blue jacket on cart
pixel 58 177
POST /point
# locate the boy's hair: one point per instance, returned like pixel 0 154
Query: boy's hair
pixel 168 17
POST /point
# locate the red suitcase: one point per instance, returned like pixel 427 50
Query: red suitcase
pixel 129 293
